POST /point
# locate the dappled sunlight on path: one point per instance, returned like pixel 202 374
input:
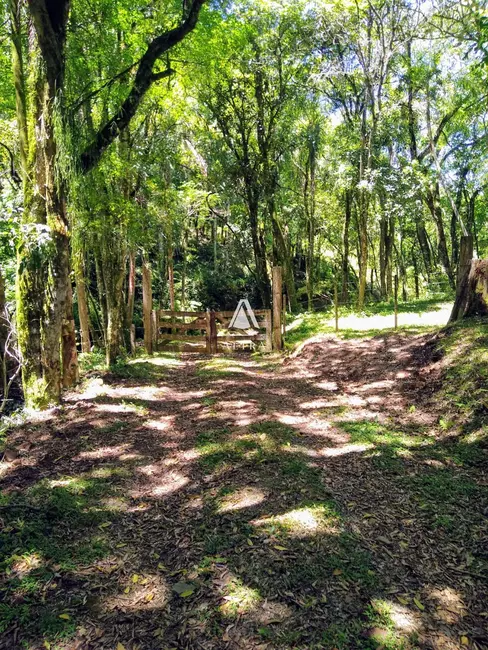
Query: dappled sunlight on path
pixel 245 503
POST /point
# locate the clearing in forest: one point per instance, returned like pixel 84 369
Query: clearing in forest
pixel 188 502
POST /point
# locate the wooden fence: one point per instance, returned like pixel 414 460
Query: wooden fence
pixel 209 328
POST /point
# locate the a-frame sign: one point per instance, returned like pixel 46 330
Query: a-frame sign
pixel 243 318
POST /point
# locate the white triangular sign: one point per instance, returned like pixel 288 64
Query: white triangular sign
pixel 243 318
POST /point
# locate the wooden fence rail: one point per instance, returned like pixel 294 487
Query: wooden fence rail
pixel 209 327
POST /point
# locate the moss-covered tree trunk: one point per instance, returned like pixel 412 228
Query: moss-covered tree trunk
pixel 4 331
pixel 345 246
pixel 147 305
pixel 43 282
pixel 83 311
pixel 111 259
pixel 69 353
pixel 131 292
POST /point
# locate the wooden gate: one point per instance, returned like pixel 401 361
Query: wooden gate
pixel 208 330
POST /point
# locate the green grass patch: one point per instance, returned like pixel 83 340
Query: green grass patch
pixel 464 390
pixel 262 443
pixel 310 324
pixel 52 528
pixel 144 367
pixel 388 447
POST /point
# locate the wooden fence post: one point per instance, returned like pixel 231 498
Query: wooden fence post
pixel 277 307
pixel 208 337
pixel 155 328
pixel 336 306
pixel 396 301
pixel 283 322
pixel 133 339
pixel 147 306
pixel 268 344
pixel 213 333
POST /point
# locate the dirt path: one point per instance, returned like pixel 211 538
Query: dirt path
pixel 230 503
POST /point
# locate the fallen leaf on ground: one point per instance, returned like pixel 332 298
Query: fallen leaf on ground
pixel 419 604
pixel 183 589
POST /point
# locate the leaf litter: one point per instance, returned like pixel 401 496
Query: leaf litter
pixel 349 537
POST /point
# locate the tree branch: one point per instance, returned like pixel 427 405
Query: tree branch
pixel 13 172
pixel 143 80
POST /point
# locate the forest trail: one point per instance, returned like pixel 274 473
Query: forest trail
pixel 237 502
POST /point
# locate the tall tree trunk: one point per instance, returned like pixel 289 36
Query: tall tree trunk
pixel 102 293
pixel 147 305
pixel 363 208
pixel 424 246
pixel 83 311
pixel 432 198
pixel 4 331
pixel 383 254
pixel 19 81
pixel 463 273
pixel 115 318
pixel 131 292
pixel 283 258
pixel 68 349
pixel 259 249
pixel 114 256
pixel 345 246
pixel 389 253
pixel 183 273
pixel 363 250
pixel 456 209
pixel 171 279
pixel 309 204
pixel 43 283
pixel 415 273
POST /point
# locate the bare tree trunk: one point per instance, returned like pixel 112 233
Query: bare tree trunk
pixel 147 305
pixel 102 294
pixel 463 278
pixel 68 348
pixel 171 279
pixel 131 290
pixel 415 274
pixel 19 81
pixel 283 257
pixel 114 275
pixel 4 329
pixel 424 246
pixel 345 247
pixel 363 252
pixel 83 311
pixel 383 255
pixel 433 202
pixel 183 274
pixel 259 249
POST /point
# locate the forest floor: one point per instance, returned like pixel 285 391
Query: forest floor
pixel 337 498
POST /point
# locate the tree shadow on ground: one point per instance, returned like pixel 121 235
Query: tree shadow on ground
pixel 232 505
